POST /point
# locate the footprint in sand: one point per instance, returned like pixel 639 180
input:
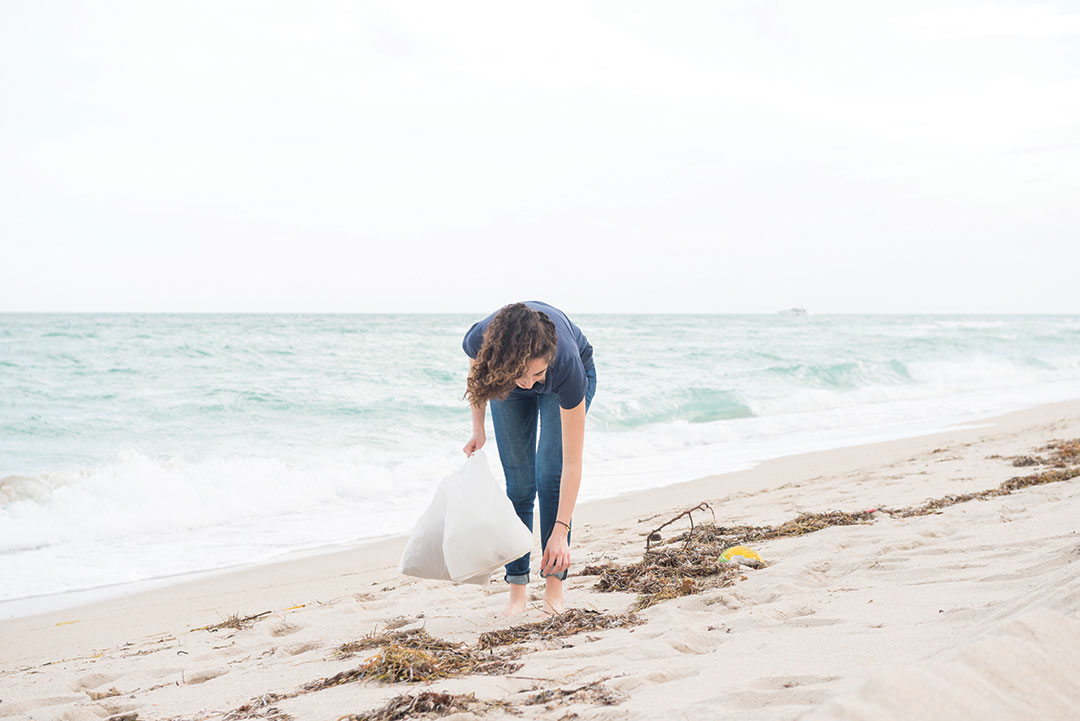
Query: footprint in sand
pixel 694 643
pixel 808 621
pixel 779 691
pixel 113 710
pixel 687 648
pixel 790 696
pixel 107 693
pixel 204 675
pixel 298 648
pixel 776 683
pixel 672 674
pixel 284 629
pixel 92 681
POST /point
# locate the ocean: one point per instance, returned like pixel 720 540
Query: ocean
pixel 136 447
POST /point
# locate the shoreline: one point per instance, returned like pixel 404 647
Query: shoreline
pixel 72 600
pixel 335 573
pixel 94 571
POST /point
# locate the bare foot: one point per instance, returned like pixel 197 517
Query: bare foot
pixel 517 602
pixel 553 597
pixel 512 609
pixel 551 610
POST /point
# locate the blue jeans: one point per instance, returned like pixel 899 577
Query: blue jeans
pixel 533 469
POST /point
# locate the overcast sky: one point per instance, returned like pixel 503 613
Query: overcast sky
pixel 606 157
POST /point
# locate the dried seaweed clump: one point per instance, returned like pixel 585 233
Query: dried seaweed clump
pixel 1021 461
pixel 1037 479
pixel 594 693
pixel 426 704
pixel 668 572
pixel 404 656
pixel 414 655
pixel 416 638
pixel 431 704
pixel 1006 488
pixel 726 536
pixel 234 621
pixel 395 663
pixel 1064 452
pixel 261 707
pixel 569 622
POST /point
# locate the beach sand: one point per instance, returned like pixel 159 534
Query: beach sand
pixel 970 612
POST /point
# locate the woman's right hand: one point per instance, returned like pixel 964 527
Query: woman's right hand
pixel 475 443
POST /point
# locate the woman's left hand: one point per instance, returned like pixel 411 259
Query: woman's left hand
pixel 556 554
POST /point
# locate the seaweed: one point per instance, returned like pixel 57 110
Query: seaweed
pixel 1020 461
pixel 432 704
pixel 416 638
pixel 1006 488
pixel 414 656
pixel 426 704
pixel 727 536
pixel 667 572
pixel 569 622
pixel 594 693
pixel 654 535
pixel 1064 452
pixel 234 621
pixel 261 707
pixel 395 663
pixel 403 657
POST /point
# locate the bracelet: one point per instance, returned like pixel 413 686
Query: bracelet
pixel 564 523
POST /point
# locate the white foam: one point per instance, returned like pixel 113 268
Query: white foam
pixel 140 517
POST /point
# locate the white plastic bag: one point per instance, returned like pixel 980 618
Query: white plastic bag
pixel 423 555
pixel 468 530
pixel 482 531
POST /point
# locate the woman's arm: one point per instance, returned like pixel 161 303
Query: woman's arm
pixel 573 441
pixel 557 554
pixel 478 436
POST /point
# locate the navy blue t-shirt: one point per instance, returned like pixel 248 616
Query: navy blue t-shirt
pixel 573 355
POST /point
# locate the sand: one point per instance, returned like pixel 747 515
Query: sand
pixel 971 612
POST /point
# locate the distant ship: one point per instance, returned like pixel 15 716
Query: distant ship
pixel 794 311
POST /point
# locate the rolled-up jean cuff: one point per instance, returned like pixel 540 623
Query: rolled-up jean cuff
pixel 518 579
pixel 561 575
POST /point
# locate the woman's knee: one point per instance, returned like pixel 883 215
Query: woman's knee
pixel 520 480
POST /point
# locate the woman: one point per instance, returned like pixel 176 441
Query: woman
pixel 531 363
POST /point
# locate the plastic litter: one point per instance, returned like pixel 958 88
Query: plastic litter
pixel 743 555
pixel 469 529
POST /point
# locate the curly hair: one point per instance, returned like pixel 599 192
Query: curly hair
pixel 516 335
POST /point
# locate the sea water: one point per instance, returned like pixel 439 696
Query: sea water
pixel 135 447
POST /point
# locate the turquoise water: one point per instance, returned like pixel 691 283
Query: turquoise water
pixel 136 446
